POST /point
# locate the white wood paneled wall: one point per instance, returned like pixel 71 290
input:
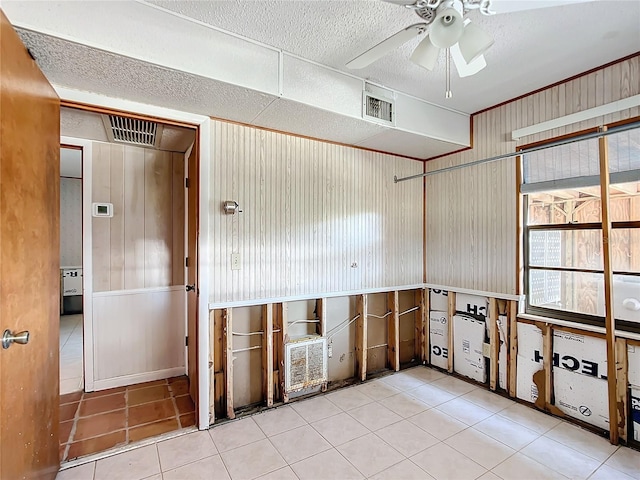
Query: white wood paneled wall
pixel 311 209
pixel 471 213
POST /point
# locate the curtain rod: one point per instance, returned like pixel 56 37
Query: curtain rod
pixel 557 143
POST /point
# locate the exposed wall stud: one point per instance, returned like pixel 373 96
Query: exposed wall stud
pixel 267 353
pixel 228 316
pixel 284 326
pixel 622 381
pixel 512 355
pixel 422 326
pixel 361 338
pixel 494 340
pixel 450 314
pixel 393 347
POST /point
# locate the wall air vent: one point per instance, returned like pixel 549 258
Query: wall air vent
pixel 132 131
pixel 306 364
pixel 378 105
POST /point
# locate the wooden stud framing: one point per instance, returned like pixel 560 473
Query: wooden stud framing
pixel 512 356
pixel 422 326
pixel 494 339
pixel 608 291
pixel 450 314
pixel 393 347
pixel 284 326
pixel 212 368
pixel 267 353
pixel 361 338
pixel 278 352
pixel 321 311
pixel 228 329
pixel 547 360
pixel 622 381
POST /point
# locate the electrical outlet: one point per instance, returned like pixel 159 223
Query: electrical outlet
pixel 486 349
pixel 235 261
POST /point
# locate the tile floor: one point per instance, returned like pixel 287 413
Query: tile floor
pixel 416 424
pixel 94 422
pixel 71 372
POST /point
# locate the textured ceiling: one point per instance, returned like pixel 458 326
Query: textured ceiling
pixel 532 48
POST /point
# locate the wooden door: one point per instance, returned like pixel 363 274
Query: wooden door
pixel 29 263
pixel 192 272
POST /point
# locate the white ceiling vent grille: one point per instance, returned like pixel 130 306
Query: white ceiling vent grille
pixel 132 131
pixel 378 105
pixel 306 364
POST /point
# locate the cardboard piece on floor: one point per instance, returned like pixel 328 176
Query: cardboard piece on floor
pixel 439 339
pixel 582 397
pixel 468 336
pixel 438 300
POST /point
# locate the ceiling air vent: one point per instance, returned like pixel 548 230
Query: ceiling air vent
pixel 132 131
pixel 378 105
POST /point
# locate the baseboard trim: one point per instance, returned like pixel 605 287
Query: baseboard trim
pixel 138 378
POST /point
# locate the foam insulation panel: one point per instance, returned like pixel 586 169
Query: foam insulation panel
pixel 633 361
pixel 438 300
pixel 582 397
pixel 529 361
pixel 439 339
pixel 468 335
pixel 503 367
pixel 472 304
pixel 635 413
pixel 582 354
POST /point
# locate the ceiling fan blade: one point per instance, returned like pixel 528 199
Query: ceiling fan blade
pixel 466 69
pixel 510 6
pixel 386 46
pixel 426 54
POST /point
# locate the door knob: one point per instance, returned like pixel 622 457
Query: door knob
pixel 8 338
pixel 190 288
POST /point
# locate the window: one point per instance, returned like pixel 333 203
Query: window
pixel 563 253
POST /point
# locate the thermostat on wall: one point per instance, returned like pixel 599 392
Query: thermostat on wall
pixel 103 209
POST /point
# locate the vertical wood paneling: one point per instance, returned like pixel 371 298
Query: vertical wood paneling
pixel 471 213
pixel 142 245
pixel 317 217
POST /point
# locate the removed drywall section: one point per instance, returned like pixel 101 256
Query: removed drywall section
pixel 303 319
pixel 529 361
pixel 247 364
pixel 438 300
pixel 377 332
pixel 408 326
pixel 468 359
pixel 503 367
pixel 341 338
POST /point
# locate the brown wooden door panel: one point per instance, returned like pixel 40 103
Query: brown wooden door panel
pixel 29 262
pixel 192 273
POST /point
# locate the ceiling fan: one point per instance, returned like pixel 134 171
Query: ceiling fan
pixel 446 29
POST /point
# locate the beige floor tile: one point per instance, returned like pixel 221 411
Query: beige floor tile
pixel 205 469
pixel 299 443
pixel 605 472
pixel 377 390
pixel 453 385
pixel 340 429
pixel 132 465
pixel 431 395
pixel 490 476
pixel 407 438
pixel 405 470
pixel 582 441
pixel 504 430
pixel 253 460
pixel 626 461
pixel 326 465
pixel 81 472
pixel 445 463
pixel 185 449
pixel 279 420
pixel 532 419
pixel 438 424
pixel 480 448
pixel 519 467
pixel 348 399
pixel 404 405
pixel 425 374
pixel 370 454
pixel 402 381
pixel 315 409
pixel 235 434
pixel 488 400
pixel 374 416
pixel 464 411
pixel 561 458
pixel 283 474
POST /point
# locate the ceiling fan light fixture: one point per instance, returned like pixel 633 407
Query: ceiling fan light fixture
pixel 447 28
pixel 425 54
pixel 474 42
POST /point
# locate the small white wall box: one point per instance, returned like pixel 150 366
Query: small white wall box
pixel 103 210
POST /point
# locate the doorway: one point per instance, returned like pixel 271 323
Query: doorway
pixel 71 334
pixel 136 220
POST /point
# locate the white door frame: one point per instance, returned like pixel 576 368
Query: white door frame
pixel 204 124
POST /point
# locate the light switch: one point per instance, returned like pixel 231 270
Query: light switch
pixel 235 261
